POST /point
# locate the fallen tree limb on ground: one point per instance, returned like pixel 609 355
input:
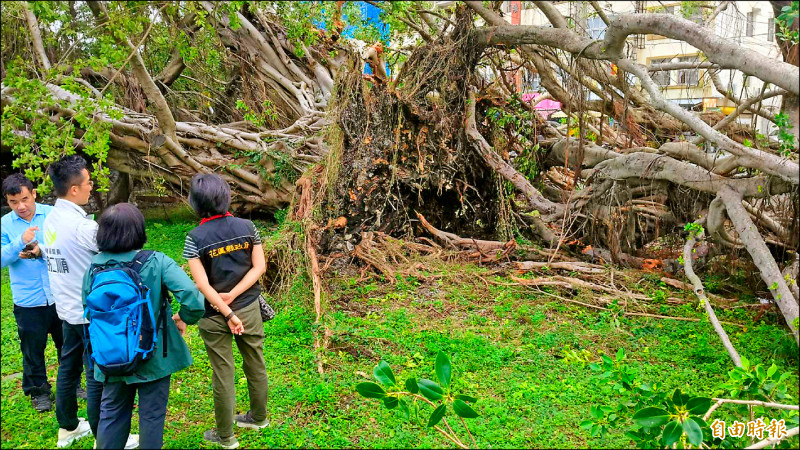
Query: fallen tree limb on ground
pixel 487 250
pixel 699 291
pixel 656 316
pixel 573 266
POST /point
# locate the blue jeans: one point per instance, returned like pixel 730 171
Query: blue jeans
pixel 73 359
pixel 116 410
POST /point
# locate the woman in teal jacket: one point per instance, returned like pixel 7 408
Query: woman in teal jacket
pixel 120 235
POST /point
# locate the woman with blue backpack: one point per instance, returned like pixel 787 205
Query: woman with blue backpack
pixel 134 346
pixel 227 260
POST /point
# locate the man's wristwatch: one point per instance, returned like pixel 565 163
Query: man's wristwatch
pixel 228 317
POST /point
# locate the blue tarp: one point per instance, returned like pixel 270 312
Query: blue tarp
pixel 371 15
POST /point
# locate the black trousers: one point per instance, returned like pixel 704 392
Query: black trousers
pixel 116 410
pixel 73 359
pixel 33 326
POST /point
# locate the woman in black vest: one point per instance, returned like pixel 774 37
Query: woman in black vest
pixel 227 260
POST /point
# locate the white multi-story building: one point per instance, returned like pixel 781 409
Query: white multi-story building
pixel 749 23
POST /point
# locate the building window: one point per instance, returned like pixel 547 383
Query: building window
pixel 688 77
pixel 771 29
pixel 661 78
pixel 751 18
pixel 596 27
pixel 510 7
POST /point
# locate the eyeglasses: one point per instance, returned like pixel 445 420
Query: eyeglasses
pixel 89 182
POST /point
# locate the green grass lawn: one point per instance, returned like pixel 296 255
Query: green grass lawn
pixel 505 344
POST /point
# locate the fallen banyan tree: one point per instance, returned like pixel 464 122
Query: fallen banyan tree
pixel 438 149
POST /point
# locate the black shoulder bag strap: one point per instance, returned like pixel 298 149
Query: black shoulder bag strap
pixel 137 264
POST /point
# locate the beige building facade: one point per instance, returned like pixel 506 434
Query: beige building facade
pixel 748 23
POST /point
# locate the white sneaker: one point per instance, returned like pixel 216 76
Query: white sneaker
pixel 133 442
pixel 66 438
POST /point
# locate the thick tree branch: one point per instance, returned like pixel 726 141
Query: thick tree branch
pixel 761 255
pixel 719 51
pixel 709 161
pixel 535 198
pixel 723 52
pixel 661 167
pixel 767 162
pixel 172 71
pixel 36 36
pixel 165 119
pixel 681 65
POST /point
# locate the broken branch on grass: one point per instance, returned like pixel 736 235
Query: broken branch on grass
pixel 699 291
pixel 657 316
pixel 572 266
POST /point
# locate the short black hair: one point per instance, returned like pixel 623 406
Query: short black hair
pixel 121 229
pixel 13 184
pixel 66 172
pixel 209 195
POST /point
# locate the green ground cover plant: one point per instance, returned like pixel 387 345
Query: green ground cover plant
pixel 506 344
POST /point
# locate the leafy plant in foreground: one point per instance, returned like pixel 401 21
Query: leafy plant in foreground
pixel 418 392
pixel 678 420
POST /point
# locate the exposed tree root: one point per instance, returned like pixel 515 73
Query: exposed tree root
pixel 485 251
pixel 302 213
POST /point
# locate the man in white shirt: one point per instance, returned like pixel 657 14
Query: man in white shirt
pixel 69 244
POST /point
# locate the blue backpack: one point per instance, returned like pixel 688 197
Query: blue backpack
pixel 122 329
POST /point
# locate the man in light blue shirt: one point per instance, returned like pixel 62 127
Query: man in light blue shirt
pixel 34 306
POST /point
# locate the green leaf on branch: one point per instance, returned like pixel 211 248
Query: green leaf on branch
pixel 411 385
pixel 430 389
pixel 698 405
pixel 745 363
pixel 771 371
pixel 370 390
pixel 437 415
pixel 383 373
pixel 693 431
pixel 404 408
pixel 391 402
pixel 443 369
pixel 651 417
pixel 672 432
pixel 464 410
pixel 679 398
pixel 466 398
